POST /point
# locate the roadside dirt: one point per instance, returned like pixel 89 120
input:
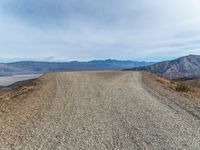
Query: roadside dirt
pixel 99 110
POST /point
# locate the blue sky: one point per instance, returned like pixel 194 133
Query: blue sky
pixel 65 30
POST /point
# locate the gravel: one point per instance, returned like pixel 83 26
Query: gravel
pixel 96 110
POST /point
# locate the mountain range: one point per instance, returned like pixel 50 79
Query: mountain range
pixel 187 67
pixel 35 67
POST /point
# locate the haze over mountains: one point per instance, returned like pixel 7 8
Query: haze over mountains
pixel 34 67
pixel 184 67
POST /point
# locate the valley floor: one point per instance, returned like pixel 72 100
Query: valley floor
pixel 8 80
pixel 98 110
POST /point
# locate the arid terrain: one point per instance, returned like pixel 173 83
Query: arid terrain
pixel 98 110
pixel 186 67
pixel 8 80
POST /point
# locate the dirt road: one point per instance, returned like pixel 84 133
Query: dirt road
pixel 99 110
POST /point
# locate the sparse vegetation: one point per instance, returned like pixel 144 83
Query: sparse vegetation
pixel 194 82
pixel 51 101
pixel 182 87
pixel 177 85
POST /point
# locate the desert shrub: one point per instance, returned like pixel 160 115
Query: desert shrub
pixel 172 82
pixel 16 87
pixel 182 87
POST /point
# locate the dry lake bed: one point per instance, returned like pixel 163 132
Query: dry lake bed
pixel 9 80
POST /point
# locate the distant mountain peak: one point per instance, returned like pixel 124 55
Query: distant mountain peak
pixel 183 67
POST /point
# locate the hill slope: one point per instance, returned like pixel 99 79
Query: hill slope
pixel 184 67
pixel 33 67
pixel 97 110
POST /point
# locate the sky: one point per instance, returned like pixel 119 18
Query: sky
pixel 66 30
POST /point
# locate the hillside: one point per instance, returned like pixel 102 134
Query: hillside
pixel 184 67
pixel 33 67
pixel 97 110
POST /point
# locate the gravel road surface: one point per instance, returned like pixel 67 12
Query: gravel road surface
pixel 95 111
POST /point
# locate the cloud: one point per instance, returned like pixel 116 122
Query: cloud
pixel 100 29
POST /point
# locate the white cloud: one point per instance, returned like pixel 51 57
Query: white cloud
pixel 100 29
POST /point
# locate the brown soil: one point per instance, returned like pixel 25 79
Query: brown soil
pixel 98 110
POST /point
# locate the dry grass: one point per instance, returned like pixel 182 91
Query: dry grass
pixel 183 87
pixel 15 91
pixel 176 85
pixel 194 82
